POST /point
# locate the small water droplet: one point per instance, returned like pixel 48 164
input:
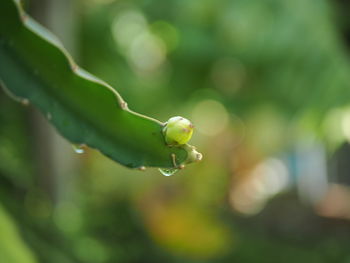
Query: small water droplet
pixel 78 148
pixel 48 116
pixel 142 168
pixel 168 171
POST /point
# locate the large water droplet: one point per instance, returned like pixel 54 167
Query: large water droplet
pixel 78 148
pixel 168 171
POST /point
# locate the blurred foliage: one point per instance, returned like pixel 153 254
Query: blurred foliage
pixel 249 52
pixel 265 83
pixel 12 248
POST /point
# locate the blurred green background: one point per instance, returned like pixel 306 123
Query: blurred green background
pixel 267 85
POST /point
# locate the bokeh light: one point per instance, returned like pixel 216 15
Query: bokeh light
pixel 265 84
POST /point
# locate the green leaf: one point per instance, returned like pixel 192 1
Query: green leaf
pixel 35 67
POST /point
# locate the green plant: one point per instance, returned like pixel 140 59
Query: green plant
pixel 35 68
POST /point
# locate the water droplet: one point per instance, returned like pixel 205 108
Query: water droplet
pixel 168 171
pixel 78 148
pixel 142 168
pixel 48 116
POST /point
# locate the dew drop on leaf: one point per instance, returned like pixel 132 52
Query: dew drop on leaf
pixel 168 171
pixel 78 148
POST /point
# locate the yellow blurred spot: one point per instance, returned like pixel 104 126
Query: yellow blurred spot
pixel 345 124
pixel 246 200
pixel 210 117
pixel 127 26
pixel 147 52
pixel 265 180
pixel 186 231
pixel 167 32
pixel 12 247
pixel 332 126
